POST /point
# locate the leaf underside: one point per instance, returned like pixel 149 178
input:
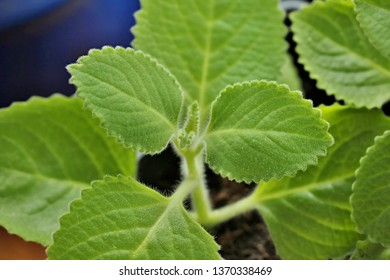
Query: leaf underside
pixel 137 100
pixel 309 216
pixel 371 192
pixel 51 149
pixel 120 218
pixel 260 130
pixel 374 19
pixel 335 51
pixel 210 44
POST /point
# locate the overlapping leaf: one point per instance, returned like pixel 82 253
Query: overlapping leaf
pixel 121 219
pixel 210 44
pixel 371 192
pixel 309 216
pixel 136 99
pixel 339 56
pixel 290 75
pixel 367 250
pixel 260 130
pixel 50 149
pixel 374 18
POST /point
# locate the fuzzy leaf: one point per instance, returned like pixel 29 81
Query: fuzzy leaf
pixel 371 192
pixel 210 44
pixel 290 75
pixel 333 48
pixel 374 18
pixel 309 216
pixel 260 130
pixel 51 149
pixel 136 99
pixel 120 218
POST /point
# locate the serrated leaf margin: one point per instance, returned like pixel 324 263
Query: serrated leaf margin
pixel 370 149
pixel 87 104
pixel 301 167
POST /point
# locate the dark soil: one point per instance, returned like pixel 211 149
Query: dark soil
pixel 245 237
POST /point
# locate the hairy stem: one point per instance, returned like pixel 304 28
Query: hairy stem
pixel 200 195
pixel 183 190
pixel 193 169
pixel 228 212
pixel 194 183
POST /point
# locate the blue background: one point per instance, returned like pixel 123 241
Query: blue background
pixel 38 38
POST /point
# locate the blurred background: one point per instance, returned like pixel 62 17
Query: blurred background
pixel 38 38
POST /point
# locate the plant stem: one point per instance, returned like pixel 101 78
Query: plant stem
pixel 193 169
pixel 183 190
pixel 194 181
pixel 223 214
pixel 200 195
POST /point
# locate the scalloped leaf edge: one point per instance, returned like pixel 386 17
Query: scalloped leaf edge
pixel 87 104
pixel 378 139
pixel 37 100
pixel 85 194
pixel 339 96
pixel 373 42
pixel 300 167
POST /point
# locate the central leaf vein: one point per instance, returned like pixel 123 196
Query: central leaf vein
pixel 348 50
pixel 276 195
pixel 146 106
pixel 205 66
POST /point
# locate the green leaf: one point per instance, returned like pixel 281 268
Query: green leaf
pixel 120 218
pixel 366 250
pixel 374 18
pixel 371 192
pixel 333 48
pixel 210 44
pixel 136 99
pixel 260 130
pixel 51 149
pixel 309 216
pixel 290 75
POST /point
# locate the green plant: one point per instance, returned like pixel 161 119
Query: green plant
pixel 345 47
pixel 193 83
